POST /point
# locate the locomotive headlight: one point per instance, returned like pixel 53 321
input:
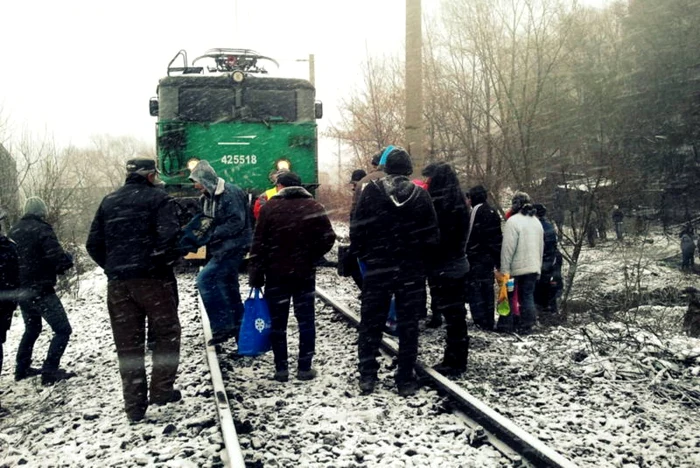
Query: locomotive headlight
pixel 192 163
pixel 283 165
pixel 237 76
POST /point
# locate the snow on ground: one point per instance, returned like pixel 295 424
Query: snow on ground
pixel 81 422
pixel 613 389
pixel 616 390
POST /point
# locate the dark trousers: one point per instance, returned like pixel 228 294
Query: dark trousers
pixel 130 303
pixel 526 298
pixel 220 291
pixel 409 291
pixel 448 298
pixel 48 306
pixel 480 280
pixel 6 310
pixel 546 290
pixel 278 293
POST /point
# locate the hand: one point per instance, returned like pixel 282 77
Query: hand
pixel 256 280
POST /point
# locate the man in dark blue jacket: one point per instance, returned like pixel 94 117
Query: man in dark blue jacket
pixel 230 236
pixel 133 238
pixel 549 282
pixel 41 258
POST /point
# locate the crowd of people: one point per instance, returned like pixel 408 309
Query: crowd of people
pixel 407 236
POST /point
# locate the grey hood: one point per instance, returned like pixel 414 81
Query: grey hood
pixel 204 174
pixel 399 189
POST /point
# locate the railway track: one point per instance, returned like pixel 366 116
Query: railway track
pixel 257 403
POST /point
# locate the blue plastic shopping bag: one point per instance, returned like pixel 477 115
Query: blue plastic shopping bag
pixel 254 337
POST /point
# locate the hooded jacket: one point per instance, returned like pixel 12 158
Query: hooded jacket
pixel 135 231
pixel 395 225
pixel 41 257
pixel 292 233
pixel 227 204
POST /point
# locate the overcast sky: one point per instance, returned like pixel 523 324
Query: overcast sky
pixel 78 68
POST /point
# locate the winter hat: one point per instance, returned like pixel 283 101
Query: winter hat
pixel 141 166
pixel 357 176
pixel 289 179
pixel 35 206
pixel 522 203
pixel 540 210
pixel 398 162
pixel 429 170
pixel 478 194
pixel 376 158
pixel 205 175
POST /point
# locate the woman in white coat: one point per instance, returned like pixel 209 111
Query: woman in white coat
pixel 521 256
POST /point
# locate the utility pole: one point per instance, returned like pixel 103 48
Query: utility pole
pixel 312 68
pixel 414 84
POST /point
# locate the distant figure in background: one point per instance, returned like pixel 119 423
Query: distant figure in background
pixel 484 254
pixel 41 258
pixel 231 235
pixel 618 216
pixel 293 232
pixel 687 248
pixel 375 174
pixel 133 237
pixel 592 229
pixel 351 262
pixel 267 194
pixel 9 282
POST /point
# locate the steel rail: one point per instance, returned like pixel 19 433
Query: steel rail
pixel 529 447
pixel 233 454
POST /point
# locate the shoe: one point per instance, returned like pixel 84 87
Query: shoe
pixel 51 377
pixel 449 370
pixel 281 375
pixel 307 374
pixel 434 322
pixel 172 397
pixel 407 389
pixel 136 416
pixel 218 338
pixel 26 373
pixel 367 385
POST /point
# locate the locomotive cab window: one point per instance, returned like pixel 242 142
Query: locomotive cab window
pixel 227 104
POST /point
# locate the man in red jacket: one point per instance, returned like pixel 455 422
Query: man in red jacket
pixel 293 232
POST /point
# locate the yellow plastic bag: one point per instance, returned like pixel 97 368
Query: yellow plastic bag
pixel 503 306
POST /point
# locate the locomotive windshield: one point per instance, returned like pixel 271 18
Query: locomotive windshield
pixel 231 104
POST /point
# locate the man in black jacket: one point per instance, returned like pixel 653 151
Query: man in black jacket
pixel 394 231
pixel 41 258
pixel 549 282
pixel 133 238
pixel 484 254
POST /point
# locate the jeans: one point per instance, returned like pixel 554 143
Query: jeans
pixel 130 304
pixel 218 286
pixel 278 292
pixel 481 296
pixel 526 298
pixel 409 291
pixel 48 306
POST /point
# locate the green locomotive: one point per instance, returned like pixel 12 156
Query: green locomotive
pixel 226 109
